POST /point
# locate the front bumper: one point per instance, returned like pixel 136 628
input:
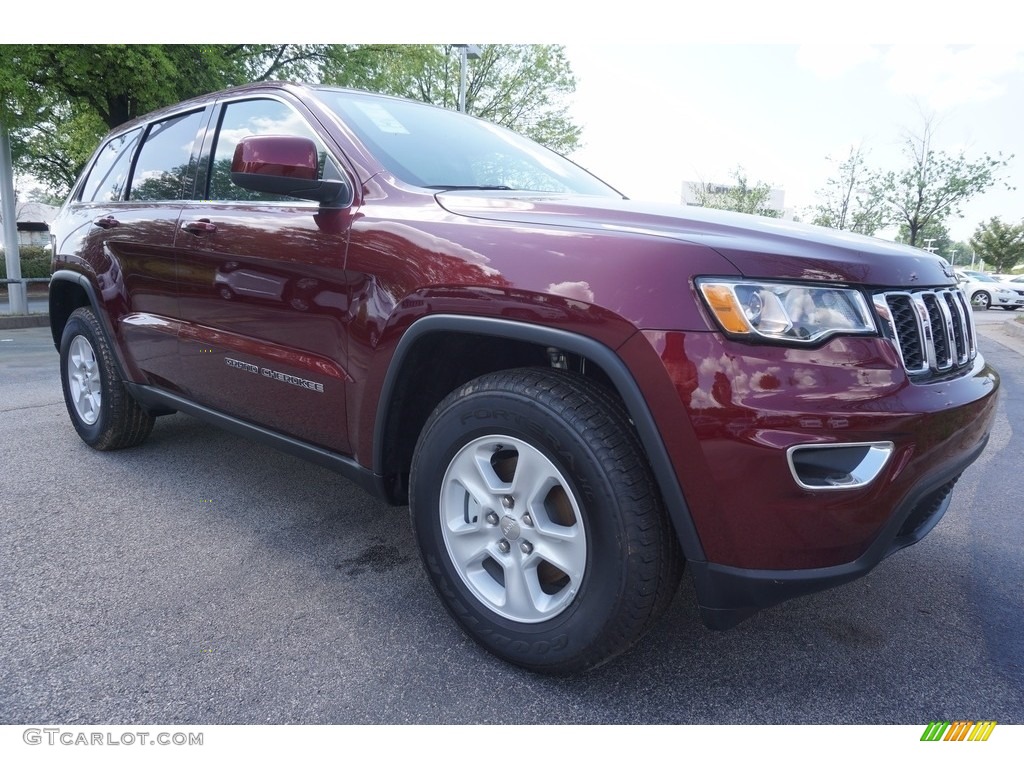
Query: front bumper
pixel 728 595
pixel 1007 301
pixel 763 537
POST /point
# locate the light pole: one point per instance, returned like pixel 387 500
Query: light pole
pixel 466 52
pixel 15 291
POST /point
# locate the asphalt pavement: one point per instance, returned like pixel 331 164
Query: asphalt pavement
pixel 200 578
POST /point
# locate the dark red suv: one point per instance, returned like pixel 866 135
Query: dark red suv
pixel 574 393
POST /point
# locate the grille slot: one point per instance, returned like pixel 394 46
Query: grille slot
pixel 932 329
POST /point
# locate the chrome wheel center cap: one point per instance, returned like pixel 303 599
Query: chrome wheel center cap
pixel 510 527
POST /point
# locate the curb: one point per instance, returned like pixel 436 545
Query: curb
pixel 7 322
pixel 1015 328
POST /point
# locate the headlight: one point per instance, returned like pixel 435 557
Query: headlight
pixel 802 314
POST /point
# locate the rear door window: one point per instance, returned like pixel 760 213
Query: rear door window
pixel 165 160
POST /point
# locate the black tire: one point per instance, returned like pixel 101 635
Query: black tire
pixel 592 559
pixel 103 413
pixel 1010 309
pixel 981 300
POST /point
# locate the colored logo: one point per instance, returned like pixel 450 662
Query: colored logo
pixel 958 730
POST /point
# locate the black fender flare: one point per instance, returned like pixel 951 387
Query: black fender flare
pixel 82 281
pixel 600 354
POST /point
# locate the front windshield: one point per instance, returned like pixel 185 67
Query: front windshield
pixel 440 149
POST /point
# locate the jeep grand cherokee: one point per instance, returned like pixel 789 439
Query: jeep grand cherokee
pixel 574 393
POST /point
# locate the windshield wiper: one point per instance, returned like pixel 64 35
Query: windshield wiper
pixel 456 187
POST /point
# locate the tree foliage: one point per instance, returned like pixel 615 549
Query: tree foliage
pixel 741 196
pixel 58 100
pixel 999 245
pixel 852 199
pixel 933 237
pixel 934 184
pixel 72 95
pixel 522 87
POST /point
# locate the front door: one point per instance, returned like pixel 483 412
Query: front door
pixel 261 293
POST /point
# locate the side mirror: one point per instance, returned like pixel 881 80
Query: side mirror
pixel 285 165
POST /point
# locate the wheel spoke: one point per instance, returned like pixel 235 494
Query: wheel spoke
pixel 556 528
pixel 468 471
pixel 535 474
pixel 469 545
pixel 466 503
pixel 521 590
pixel 568 556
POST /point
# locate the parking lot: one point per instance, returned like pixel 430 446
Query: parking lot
pixel 201 578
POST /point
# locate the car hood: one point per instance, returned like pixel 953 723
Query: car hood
pixel 757 246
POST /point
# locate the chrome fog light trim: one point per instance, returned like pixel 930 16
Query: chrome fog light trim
pixel 837 466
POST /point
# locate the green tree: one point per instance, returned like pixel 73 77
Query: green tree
pixel 933 237
pixel 58 100
pixel 741 196
pixel 934 184
pixel 960 254
pixel 1000 245
pixel 72 95
pixel 56 147
pixel 120 82
pixel 852 199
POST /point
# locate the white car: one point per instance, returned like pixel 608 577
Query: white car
pixel 986 292
pixel 1014 282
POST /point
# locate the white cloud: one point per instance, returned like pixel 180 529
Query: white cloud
pixel 946 76
pixel 832 61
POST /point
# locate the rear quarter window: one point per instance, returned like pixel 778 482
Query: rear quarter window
pixel 108 178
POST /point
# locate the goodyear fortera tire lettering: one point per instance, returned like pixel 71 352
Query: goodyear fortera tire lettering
pixel 102 412
pixel 522 482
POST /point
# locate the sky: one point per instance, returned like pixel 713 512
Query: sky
pixel 658 113
pixel 678 92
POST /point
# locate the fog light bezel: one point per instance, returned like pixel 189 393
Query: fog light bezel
pixel 846 478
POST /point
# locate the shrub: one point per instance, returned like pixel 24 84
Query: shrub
pixel 35 262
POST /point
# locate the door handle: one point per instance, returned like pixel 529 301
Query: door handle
pixel 107 222
pixel 200 227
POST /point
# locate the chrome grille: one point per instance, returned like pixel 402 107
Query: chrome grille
pixel 932 329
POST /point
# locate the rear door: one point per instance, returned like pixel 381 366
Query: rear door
pixel 129 207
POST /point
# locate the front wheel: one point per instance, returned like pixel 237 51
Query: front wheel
pixel 539 522
pixel 981 300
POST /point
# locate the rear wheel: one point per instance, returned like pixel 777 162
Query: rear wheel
pixel 981 300
pixel 539 522
pixel 102 411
